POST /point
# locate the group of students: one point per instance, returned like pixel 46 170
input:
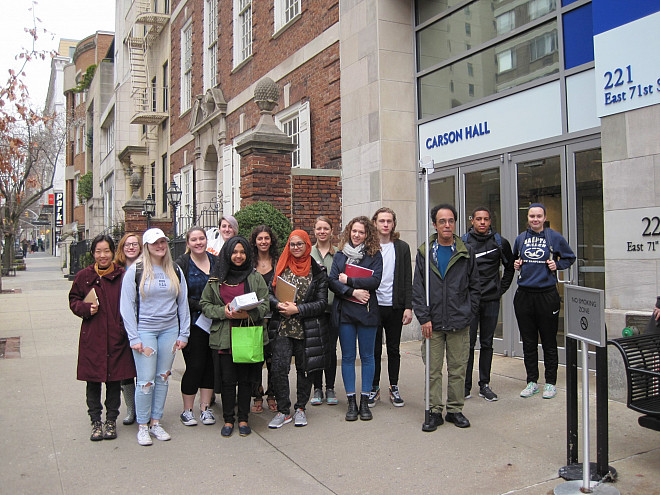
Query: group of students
pixel 145 307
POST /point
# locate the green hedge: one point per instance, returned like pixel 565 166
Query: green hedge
pixel 262 213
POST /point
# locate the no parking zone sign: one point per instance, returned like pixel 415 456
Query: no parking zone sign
pixel 584 314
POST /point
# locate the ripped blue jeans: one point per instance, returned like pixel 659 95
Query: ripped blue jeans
pixel 154 368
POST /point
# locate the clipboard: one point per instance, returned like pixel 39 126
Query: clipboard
pixel 285 291
pixel 91 297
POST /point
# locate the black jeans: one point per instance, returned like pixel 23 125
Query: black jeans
pixel 232 374
pixel 537 313
pixel 486 321
pixel 112 400
pixel 199 362
pixel 283 349
pixel 391 320
pixel 330 367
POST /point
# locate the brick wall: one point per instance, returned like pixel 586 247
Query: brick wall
pixel 267 177
pixel 136 222
pixel 314 196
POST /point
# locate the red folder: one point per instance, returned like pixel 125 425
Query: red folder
pixel 355 271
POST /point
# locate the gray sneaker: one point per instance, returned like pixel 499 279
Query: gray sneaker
pixel 279 420
pixel 299 418
pixel 317 397
pixel 330 396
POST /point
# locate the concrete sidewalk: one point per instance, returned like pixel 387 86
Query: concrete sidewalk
pixel 515 445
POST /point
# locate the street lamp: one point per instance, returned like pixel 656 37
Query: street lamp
pixel 174 199
pixel 149 209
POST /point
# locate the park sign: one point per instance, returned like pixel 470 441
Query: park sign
pixel 584 314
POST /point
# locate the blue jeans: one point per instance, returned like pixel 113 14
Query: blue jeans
pixel 150 393
pixel 366 337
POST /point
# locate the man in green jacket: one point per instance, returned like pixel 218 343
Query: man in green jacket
pixel 453 302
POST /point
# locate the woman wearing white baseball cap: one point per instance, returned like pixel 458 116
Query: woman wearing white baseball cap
pixel 154 307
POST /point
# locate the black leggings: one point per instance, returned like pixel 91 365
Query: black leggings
pixel 232 374
pixel 112 400
pixel 537 313
pixel 199 362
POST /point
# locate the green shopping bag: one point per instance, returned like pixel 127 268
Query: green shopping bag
pixel 247 344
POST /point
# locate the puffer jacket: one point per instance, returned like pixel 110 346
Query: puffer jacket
pixel 311 312
pixel 213 307
pixel 454 298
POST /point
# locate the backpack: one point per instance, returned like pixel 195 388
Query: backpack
pixel 498 240
pixel 139 269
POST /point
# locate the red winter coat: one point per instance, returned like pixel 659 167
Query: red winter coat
pixel 103 351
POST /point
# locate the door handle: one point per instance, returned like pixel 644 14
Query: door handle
pixel 569 281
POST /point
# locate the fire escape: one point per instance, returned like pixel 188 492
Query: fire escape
pixel 149 108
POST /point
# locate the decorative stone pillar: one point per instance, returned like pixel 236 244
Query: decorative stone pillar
pixel 266 155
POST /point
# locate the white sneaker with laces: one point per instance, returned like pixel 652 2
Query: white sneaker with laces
pixel 207 416
pixel 188 418
pixel 549 391
pixel 159 432
pixel 531 389
pixel 143 436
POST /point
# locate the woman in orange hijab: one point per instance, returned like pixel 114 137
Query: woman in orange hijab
pixel 298 327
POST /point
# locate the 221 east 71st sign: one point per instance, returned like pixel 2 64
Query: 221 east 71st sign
pixel 632 234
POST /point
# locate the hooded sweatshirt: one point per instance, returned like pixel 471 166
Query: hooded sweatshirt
pixel 535 248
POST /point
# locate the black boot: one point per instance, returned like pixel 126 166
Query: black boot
pixel 365 412
pixel 352 413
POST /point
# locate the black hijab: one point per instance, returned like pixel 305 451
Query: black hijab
pixel 225 270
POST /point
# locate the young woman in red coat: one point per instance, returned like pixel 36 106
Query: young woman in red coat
pixel 104 355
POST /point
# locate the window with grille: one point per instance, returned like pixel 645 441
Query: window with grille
pixel 242 30
pixel 186 67
pixel 285 12
pixel 211 43
pixel 292 128
pixel 295 123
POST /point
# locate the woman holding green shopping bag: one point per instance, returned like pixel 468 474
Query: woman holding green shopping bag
pixel 234 276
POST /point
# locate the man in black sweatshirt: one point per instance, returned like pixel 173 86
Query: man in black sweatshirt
pixel 491 251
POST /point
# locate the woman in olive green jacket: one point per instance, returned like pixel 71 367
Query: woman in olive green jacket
pixel 233 276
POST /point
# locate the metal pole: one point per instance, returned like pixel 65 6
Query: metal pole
pixel 571 401
pixel 602 420
pixel 586 475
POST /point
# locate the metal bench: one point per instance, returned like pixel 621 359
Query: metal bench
pixel 641 357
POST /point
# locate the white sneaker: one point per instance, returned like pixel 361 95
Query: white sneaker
pixel 549 391
pixel 531 389
pixel 158 431
pixel 207 416
pixel 188 418
pixel 143 435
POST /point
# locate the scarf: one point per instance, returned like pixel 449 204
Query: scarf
pixel 299 266
pixel 353 254
pixel 104 271
pixel 225 270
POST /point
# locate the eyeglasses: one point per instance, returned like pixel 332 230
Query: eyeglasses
pixel 132 244
pixel 296 245
pixel 442 221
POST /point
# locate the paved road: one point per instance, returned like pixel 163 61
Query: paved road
pixel 514 445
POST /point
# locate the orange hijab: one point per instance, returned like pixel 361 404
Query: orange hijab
pixel 299 266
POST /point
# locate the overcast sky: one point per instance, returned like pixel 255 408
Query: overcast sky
pixel 72 19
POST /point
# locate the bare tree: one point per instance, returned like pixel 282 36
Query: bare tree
pixel 29 145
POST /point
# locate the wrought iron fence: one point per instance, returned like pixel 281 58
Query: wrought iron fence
pixel 79 257
pixel 208 216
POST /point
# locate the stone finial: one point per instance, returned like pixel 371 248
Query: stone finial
pixel 266 95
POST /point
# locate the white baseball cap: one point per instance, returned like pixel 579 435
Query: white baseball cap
pixel 152 235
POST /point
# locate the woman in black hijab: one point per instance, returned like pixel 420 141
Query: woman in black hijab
pixel 233 276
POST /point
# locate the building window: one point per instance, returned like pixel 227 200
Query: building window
pixel 186 209
pixel 210 44
pixel 166 95
pixel 107 202
pixel 242 30
pixel 285 12
pixel 295 123
pixel 186 67
pixel 153 180
pixel 470 89
pixel 505 22
pixel 468 29
pixel 538 8
pixel 108 133
pixel 506 60
pixel 470 69
pixel 164 182
pixel 154 95
pixel 543 45
pixel 77 133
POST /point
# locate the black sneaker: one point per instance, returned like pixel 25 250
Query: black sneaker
pixel 435 419
pixel 395 396
pixel 458 419
pixel 374 396
pixel 487 393
pixel 467 394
